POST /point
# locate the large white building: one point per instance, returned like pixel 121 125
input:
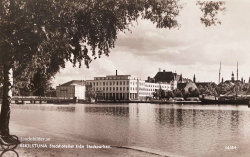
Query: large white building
pixel 124 87
pixel 71 89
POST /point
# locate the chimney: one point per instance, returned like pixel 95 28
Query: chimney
pixel 159 69
pixel 116 72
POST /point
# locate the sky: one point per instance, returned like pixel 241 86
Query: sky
pixel 193 49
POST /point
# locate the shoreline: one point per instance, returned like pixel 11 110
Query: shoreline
pixel 75 147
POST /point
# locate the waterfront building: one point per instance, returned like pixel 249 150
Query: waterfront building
pixel 71 89
pixel 124 87
pixel 186 86
pixel 168 77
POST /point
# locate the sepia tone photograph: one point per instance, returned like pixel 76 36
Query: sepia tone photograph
pixel 124 78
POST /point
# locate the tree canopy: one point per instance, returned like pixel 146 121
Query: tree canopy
pixel 37 37
pixel 45 34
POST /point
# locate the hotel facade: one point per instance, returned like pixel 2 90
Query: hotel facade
pixel 124 87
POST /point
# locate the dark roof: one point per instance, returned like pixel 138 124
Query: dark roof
pixel 186 85
pixel 78 82
pixel 164 76
pixel 181 85
pixel 167 76
pixel 203 84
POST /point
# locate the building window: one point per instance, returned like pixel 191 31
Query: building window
pixel 113 88
pixel 121 83
pixel 97 83
pixel 117 83
pixel 104 83
pixel 120 88
pixel 116 88
pixel 110 88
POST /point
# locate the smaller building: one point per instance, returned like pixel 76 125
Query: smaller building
pixel 186 86
pixel 168 77
pixel 71 89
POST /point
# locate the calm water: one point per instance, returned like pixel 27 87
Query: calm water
pixel 190 130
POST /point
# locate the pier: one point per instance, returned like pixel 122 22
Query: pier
pixel 37 99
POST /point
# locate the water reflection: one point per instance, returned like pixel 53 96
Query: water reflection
pixel 112 111
pixel 190 130
pixel 60 108
pixel 234 120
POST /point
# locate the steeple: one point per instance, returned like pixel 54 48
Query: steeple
pixel 232 78
pixel 194 79
pixel 237 71
pixel 181 80
pixel 219 72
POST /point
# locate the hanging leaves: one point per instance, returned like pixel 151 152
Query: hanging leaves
pixel 210 10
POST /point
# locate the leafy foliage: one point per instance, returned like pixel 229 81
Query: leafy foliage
pixel 45 34
pixel 211 10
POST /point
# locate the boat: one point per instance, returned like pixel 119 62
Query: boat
pixel 226 100
pixel 19 102
pixel 178 100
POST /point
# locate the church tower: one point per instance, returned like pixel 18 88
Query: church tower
pixel 181 79
pixel 237 71
pixel 219 72
pixel 194 79
pixel 232 78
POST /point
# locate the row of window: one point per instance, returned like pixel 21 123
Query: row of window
pixel 116 78
pixel 120 89
pixel 123 83
pixel 108 83
pixel 113 83
pixel 110 88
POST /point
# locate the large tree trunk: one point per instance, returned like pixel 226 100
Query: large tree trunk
pixel 6 100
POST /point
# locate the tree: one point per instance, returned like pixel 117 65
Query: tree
pixel 210 10
pixel 44 34
pixel 170 94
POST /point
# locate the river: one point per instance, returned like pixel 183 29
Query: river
pixel 188 130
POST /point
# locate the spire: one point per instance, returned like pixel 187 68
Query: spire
pixel 194 79
pixel 219 71
pixel 181 80
pixel 232 78
pixel 237 70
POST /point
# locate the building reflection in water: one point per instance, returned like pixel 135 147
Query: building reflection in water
pixel 112 111
pixel 188 130
pixel 47 107
pixel 234 119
